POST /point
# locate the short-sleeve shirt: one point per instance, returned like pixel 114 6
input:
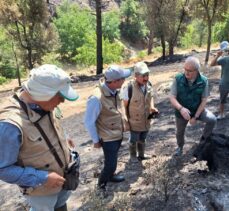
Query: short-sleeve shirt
pixel 224 63
pixel 173 90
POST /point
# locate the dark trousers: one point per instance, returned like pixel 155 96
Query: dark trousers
pixel 110 150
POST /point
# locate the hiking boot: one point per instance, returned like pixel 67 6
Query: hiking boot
pixel 63 208
pixel 141 151
pixel 117 178
pixel 132 149
pixel 178 152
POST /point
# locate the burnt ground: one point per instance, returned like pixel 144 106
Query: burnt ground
pixel 164 182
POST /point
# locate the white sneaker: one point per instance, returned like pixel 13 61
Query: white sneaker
pixel 221 116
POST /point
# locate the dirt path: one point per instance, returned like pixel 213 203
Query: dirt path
pixel 148 185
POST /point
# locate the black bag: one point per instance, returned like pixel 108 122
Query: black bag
pixel 71 174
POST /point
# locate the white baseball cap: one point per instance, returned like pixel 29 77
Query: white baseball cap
pixel 46 81
pixel 141 68
pixel 116 72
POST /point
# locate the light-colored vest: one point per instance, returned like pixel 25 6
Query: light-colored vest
pixel 139 108
pixel 109 123
pixel 34 151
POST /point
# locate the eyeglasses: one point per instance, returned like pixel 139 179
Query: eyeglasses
pixel 189 71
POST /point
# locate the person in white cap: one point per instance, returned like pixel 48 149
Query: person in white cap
pixel 222 59
pixel 188 95
pixel 104 122
pixel 26 157
pixel 139 104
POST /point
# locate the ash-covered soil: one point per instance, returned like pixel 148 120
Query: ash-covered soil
pixel 164 182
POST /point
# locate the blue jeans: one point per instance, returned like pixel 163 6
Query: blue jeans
pixel 110 150
pixel 49 202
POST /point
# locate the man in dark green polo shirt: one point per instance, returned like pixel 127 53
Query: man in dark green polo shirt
pixel 189 93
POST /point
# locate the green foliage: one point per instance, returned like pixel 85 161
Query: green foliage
pixel 195 34
pixel 7 61
pixel 6 52
pixel 133 26
pixel 28 24
pixel 73 25
pixel 142 54
pixel 110 25
pixel 51 58
pixel 8 71
pixel 2 80
pixel 221 30
pixel 112 52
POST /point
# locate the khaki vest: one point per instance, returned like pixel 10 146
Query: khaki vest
pixel 34 151
pixel 139 108
pixel 109 123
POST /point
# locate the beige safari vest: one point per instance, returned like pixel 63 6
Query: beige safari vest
pixel 109 123
pixel 139 108
pixel 34 151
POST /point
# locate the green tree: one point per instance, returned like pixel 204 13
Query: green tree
pixel 195 34
pixel 211 11
pixel 28 23
pixel 221 30
pixel 73 24
pixel 133 26
pixel 110 25
pixel 112 52
pixel 165 20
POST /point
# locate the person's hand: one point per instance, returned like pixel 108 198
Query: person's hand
pixel 154 110
pixel 70 143
pixel 54 180
pixel 185 113
pixel 192 121
pixel 219 53
pixel 97 145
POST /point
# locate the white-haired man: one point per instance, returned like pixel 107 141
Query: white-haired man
pixel 222 59
pixel 30 158
pixel 189 93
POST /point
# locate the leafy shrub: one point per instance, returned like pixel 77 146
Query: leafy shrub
pixel 2 80
pixel 142 54
pixel 221 30
pixel 8 71
pixel 133 26
pixel 73 24
pixel 110 25
pixel 194 35
pixel 51 58
pixel 112 52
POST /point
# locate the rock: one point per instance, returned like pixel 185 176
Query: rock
pixel 214 150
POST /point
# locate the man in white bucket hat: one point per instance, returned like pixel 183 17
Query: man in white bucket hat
pixel 26 157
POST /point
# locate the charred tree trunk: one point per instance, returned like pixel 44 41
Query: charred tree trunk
pixel 209 41
pixel 171 48
pixel 99 52
pixel 150 42
pixel 18 69
pixel 29 57
pixel 163 46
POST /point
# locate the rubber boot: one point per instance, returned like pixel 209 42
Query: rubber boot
pixel 63 208
pixel 133 153
pixel 141 151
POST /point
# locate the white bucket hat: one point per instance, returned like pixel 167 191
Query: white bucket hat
pixel 46 81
